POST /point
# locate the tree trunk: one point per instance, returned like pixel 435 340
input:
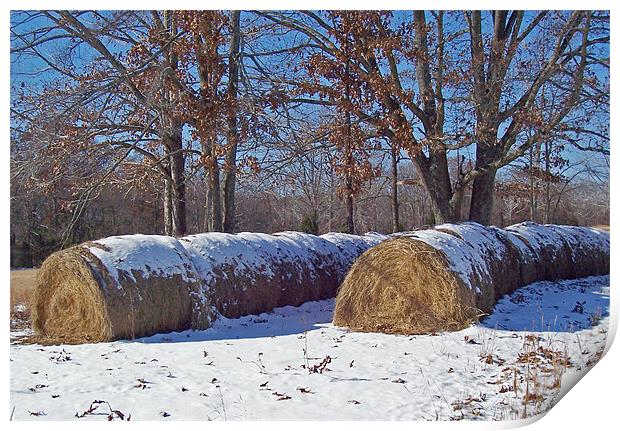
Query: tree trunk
pixel 349 160
pixel 168 207
pixel 215 214
pixel 216 201
pixel 230 163
pixel 207 209
pixel 172 140
pixel 440 204
pixel 179 211
pixel 482 197
pixel 547 182
pixel 349 179
pixel 332 193
pixel 173 144
pixel 350 221
pixel 483 187
pixel 395 204
pixel 434 172
pixel 213 200
pixel 455 205
pixel 533 168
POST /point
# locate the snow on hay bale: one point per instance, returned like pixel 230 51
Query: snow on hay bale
pixel 563 251
pixel 445 278
pixel 138 285
pixel 352 246
pixel 250 273
pixel 118 287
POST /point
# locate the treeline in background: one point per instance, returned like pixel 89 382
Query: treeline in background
pixel 178 122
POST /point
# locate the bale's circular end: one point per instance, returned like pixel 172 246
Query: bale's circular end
pixel 404 286
pixel 68 305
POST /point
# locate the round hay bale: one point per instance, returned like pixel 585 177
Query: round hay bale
pixel 251 273
pixel 587 249
pixel 528 265
pixel 551 253
pixel 404 285
pixel 118 288
pixel 562 252
pixel 444 278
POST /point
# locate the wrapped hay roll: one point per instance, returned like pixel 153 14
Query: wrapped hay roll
pixel 445 278
pixel 118 287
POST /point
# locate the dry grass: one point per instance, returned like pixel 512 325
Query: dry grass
pixel 530 382
pixel 68 303
pixel 22 285
pixel 22 288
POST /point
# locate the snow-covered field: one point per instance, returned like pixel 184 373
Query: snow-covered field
pixel 294 364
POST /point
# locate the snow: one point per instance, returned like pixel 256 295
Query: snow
pixel 352 246
pixel 247 368
pixel 147 254
pixel 463 257
pixel 243 252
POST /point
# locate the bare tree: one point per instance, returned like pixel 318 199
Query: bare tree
pixel 491 99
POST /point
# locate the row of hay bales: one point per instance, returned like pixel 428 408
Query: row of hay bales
pixel 446 277
pixel 130 286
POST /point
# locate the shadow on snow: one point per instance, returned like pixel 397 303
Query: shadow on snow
pixel 558 306
pixel 310 316
pixel 555 306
